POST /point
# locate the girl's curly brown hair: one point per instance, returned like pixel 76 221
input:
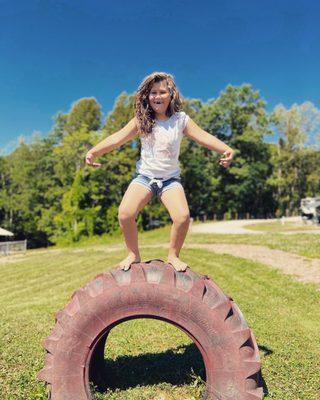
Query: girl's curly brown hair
pixel 144 113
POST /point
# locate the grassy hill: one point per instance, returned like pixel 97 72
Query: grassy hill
pixel 151 359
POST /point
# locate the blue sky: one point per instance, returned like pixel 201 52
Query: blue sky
pixel 53 52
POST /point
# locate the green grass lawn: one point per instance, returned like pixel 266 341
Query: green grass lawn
pixel 151 359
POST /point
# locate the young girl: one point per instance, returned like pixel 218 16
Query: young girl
pixel 160 124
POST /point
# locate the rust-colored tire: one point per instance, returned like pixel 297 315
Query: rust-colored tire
pixel 153 289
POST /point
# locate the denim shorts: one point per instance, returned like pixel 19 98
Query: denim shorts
pixel 156 185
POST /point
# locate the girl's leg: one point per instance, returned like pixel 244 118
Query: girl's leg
pixel 175 201
pixel 134 199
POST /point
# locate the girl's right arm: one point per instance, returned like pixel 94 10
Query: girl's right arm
pixel 128 132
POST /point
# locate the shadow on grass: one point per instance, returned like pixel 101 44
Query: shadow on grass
pixel 174 366
pixel 178 366
pixel 266 351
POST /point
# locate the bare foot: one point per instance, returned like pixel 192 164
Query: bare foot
pixel 126 263
pixel 177 263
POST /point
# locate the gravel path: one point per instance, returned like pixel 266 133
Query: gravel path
pixel 227 227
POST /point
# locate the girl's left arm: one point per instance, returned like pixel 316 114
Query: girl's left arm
pixel 194 132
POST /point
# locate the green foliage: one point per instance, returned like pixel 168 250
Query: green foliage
pixel 112 219
pixel 27 182
pixel 75 220
pixel 238 118
pixel 297 168
pixel 85 112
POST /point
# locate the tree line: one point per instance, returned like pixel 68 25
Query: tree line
pixel 48 195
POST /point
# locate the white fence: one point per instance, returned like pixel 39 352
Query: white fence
pixel 18 246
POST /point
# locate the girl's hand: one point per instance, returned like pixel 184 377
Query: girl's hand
pixel 89 160
pixel 226 158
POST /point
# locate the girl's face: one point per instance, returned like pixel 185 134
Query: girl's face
pixel 159 97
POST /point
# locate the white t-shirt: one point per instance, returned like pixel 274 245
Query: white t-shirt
pixel 161 148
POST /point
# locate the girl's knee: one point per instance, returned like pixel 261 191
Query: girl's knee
pixel 181 218
pixel 125 215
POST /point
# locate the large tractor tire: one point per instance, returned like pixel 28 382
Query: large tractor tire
pixel 153 289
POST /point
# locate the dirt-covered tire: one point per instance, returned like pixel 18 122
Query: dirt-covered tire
pixel 191 302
